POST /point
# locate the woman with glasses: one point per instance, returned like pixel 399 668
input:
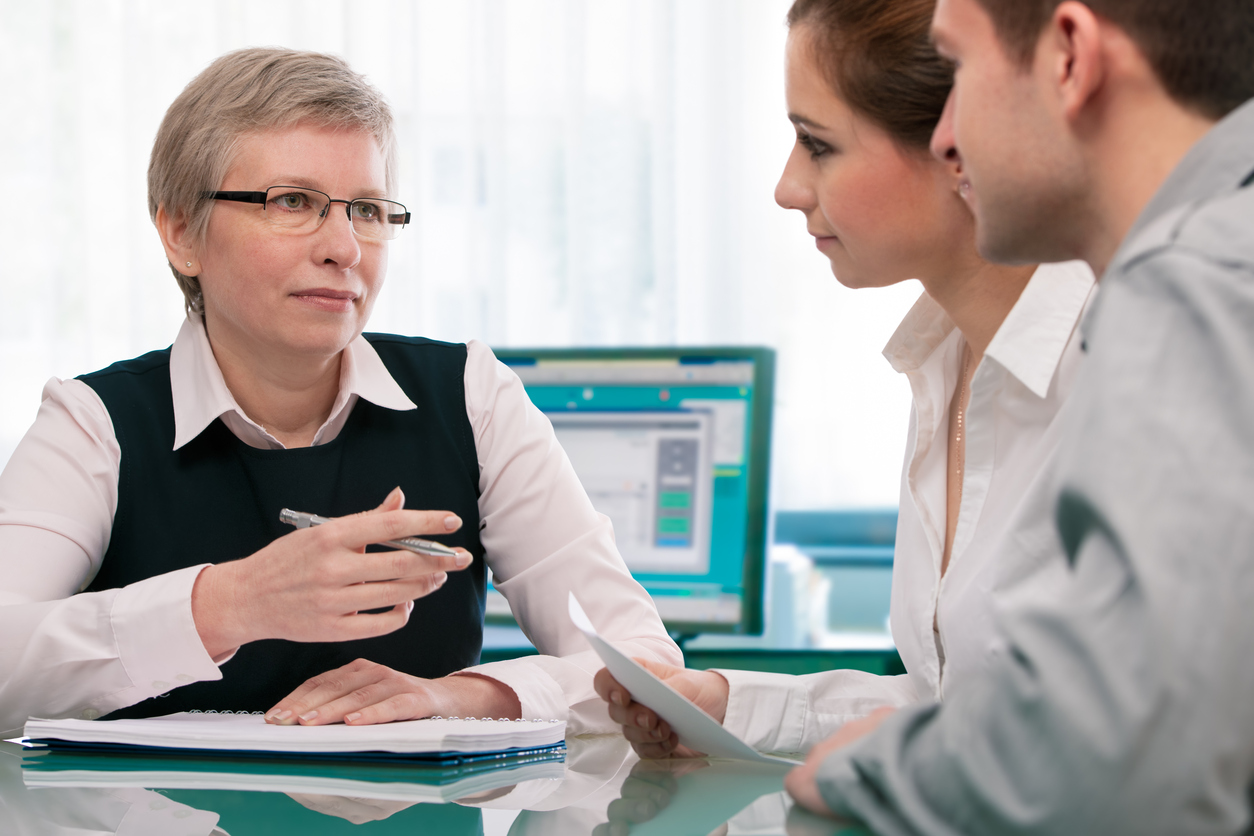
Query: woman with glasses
pixel 990 352
pixel 143 565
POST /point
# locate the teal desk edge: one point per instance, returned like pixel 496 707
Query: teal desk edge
pixel 792 661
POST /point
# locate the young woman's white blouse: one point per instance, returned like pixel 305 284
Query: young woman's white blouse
pixel 83 655
pixel 1012 434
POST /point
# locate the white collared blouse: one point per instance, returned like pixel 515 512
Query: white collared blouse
pixel 1012 421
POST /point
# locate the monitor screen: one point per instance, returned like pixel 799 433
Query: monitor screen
pixel 673 445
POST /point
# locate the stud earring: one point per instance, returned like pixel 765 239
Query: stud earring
pixel 189 264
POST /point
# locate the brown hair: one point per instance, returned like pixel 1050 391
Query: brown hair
pixel 244 91
pixel 1201 51
pixel 878 57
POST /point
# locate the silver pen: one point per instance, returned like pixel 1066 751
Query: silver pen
pixel 302 520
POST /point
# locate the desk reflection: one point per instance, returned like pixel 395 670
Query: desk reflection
pixel 719 798
pixel 601 788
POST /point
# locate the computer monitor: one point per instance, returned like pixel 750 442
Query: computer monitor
pixel 673 445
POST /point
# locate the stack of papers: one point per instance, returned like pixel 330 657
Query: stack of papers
pixel 434 740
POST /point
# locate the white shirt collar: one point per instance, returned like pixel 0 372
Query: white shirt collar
pixel 200 393
pixel 1030 342
pixel 924 329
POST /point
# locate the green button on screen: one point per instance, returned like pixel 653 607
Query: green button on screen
pixel 674 499
pixel 673 525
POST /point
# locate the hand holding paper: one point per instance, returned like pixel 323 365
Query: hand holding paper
pixel 696 729
pixel 650 735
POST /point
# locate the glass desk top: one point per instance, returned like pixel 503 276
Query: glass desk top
pixel 600 788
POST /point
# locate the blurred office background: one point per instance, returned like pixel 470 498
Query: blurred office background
pixel 581 172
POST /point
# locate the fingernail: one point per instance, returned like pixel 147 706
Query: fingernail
pixel 306 717
pixel 620 697
pixel 440 578
pixel 352 718
pixel 463 560
pixel 397 492
pixel 452 522
pixel 282 715
pixel 642 721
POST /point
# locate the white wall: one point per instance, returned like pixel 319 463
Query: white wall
pixel 581 172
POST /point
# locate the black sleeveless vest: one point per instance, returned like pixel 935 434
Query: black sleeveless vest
pixel 217 499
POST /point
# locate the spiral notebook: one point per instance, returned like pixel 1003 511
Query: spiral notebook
pixel 446 740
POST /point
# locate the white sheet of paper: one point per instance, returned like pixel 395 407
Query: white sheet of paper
pixel 696 729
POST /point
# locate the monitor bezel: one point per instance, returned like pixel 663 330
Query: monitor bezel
pixel 758 519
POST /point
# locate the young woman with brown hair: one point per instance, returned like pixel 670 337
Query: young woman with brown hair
pixel 990 352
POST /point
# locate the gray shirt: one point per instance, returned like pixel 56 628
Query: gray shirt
pixel 1120 698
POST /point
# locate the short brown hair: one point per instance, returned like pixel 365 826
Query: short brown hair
pixel 241 92
pixel 878 56
pixel 1202 51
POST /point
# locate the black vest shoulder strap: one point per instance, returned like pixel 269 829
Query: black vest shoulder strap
pixel 433 375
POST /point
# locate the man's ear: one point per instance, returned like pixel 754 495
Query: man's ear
pixel 1072 53
pixel 180 249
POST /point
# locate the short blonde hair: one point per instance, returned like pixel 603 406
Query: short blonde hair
pixel 245 91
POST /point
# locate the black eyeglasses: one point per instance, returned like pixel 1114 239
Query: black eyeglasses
pixel 298 210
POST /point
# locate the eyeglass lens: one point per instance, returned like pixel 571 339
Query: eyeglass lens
pixel 302 210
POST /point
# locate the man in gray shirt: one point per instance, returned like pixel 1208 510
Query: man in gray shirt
pixel 1120 698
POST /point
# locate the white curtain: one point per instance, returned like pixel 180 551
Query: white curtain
pixel 581 172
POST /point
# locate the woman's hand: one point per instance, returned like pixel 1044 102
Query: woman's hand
pixel 363 693
pixel 649 734
pixel 314 585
